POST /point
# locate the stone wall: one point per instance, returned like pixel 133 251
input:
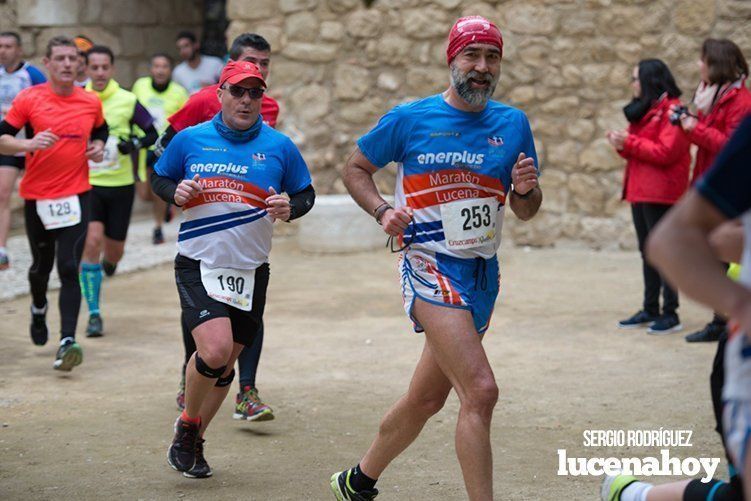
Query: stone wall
pixel 337 66
pixel 133 29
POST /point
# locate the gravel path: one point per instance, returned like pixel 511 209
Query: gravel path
pixel 140 253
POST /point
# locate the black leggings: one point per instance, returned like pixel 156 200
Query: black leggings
pixel 68 244
pixel 646 216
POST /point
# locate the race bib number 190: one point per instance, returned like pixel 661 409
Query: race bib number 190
pixel 59 212
pixel 229 286
pixel 469 223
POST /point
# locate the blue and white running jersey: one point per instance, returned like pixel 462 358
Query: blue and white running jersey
pixel 454 170
pixel 227 225
pixel 13 83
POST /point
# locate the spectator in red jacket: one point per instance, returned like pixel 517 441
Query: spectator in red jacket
pixel 721 101
pixel 656 176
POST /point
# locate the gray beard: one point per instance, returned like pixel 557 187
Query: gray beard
pixel 473 97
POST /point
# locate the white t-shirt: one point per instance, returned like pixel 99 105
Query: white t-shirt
pixel 194 79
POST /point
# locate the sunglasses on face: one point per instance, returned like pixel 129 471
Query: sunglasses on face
pixel 238 92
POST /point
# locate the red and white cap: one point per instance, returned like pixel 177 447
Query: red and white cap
pixel 235 72
pixel 469 30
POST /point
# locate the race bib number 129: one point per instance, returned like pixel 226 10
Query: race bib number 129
pixel 59 212
pixel 229 286
pixel 469 223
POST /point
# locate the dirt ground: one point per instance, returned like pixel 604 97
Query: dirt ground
pixel 338 351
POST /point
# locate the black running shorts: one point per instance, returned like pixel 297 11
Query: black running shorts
pixel 12 161
pixel 112 207
pixel 198 307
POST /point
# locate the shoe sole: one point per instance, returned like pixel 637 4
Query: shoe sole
pixel 634 326
pixel 261 416
pixel 334 484
pixel 187 474
pixel 607 482
pixel 72 357
pixel 668 331
pixel 94 334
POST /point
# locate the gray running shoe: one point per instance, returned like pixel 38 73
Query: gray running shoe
pixel 68 356
pixel 95 327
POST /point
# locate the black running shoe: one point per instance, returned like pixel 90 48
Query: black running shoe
pixel 108 268
pixel 638 319
pixel 157 237
pixel 38 327
pixel 343 492
pixel 709 334
pixel 665 324
pixel 182 453
pixel 168 213
pixel 201 469
pixel 95 327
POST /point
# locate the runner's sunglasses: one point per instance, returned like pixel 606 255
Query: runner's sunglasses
pixel 237 92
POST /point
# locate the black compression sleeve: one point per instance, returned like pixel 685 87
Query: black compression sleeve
pixel 164 187
pixel 301 202
pixel 102 132
pixel 6 128
pixel 150 137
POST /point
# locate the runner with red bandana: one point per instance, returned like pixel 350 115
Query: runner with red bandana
pixel 461 160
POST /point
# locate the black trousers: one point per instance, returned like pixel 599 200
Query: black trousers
pixel 67 244
pixel 646 216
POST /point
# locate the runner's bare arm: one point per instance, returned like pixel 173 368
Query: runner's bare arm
pixel 526 196
pixel 680 248
pixel 358 178
pixel 10 145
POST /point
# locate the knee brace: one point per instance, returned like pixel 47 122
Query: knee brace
pixel 204 370
pixel 714 490
pixel 226 381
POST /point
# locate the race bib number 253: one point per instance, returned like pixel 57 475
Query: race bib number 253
pixel 469 223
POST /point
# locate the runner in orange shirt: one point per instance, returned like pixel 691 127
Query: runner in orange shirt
pixel 69 130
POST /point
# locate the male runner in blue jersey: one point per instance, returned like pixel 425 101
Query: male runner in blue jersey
pixel 461 158
pixel 227 175
pixel 15 75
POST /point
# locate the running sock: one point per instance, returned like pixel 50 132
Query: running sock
pixel 360 481
pixel 38 311
pixel 636 492
pixel 91 283
pixel 184 417
pixel 66 339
